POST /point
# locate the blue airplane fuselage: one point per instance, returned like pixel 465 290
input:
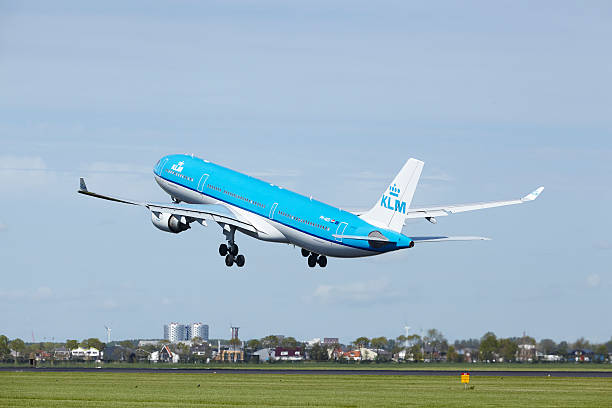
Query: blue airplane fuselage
pixel 284 216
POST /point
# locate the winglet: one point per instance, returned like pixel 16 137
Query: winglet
pixel 533 195
pixel 82 187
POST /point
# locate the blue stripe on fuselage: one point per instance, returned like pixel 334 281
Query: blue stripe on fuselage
pixel 293 210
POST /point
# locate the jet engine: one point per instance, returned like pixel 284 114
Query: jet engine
pixel 169 223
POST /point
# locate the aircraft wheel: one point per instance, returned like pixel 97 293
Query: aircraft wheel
pixel 240 261
pixel 305 252
pixel 312 261
pixel 222 249
pixel 322 261
pixel 229 260
pixel 233 249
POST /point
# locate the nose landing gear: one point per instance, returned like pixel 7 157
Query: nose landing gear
pixel 314 259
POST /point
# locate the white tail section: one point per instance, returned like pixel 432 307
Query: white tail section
pixel 390 210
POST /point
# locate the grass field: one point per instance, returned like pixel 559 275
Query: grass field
pixel 312 365
pixel 27 389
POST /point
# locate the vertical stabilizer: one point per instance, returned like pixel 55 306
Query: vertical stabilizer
pixel 390 210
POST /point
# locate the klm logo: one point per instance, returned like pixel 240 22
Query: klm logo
pixel 178 167
pixel 393 204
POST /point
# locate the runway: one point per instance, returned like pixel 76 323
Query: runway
pixel 262 371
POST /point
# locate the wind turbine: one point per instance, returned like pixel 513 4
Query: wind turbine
pixel 407 328
pixel 108 333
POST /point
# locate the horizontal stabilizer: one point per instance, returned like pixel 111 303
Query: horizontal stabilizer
pixel 441 211
pixel 418 240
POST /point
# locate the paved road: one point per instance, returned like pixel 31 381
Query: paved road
pixel 599 374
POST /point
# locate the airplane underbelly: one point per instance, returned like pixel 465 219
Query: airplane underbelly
pixel 321 246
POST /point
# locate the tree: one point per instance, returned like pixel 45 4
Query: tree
pixel 582 344
pixel 270 342
pixel 127 344
pixel 488 346
pixel 289 342
pixel 318 352
pixel 92 342
pixel 452 355
pixel 4 346
pixel 469 343
pixel 601 352
pixel 609 346
pixel 17 345
pixel 254 344
pixel 378 343
pixel 197 340
pixel 361 342
pixel 563 348
pixel 401 339
pixel 547 346
pixel 507 349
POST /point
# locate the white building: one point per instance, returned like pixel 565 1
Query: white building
pixel 175 332
pixel 178 332
pixel 199 330
pixel 81 352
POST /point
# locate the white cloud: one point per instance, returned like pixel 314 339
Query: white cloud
pixel 364 293
pixel 593 280
pixel 109 304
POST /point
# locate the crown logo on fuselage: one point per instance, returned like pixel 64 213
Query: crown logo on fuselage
pixel 178 167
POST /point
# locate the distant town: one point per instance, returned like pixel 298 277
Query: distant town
pixel 190 343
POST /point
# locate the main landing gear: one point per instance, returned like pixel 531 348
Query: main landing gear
pixel 314 259
pixel 230 251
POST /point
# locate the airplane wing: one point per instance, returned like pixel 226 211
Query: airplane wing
pixel 185 212
pixel 431 212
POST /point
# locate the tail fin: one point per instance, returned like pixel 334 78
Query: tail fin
pixel 389 211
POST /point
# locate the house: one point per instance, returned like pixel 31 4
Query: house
pixel 288 354
pixel 119 353
pixel 164 355
pixel 361 354
pixel 526 352
pixel 61 353
pixel 85 353
pixel 264 355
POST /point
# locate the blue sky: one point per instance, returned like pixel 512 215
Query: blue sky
pixel 328 99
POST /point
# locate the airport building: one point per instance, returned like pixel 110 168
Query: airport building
pixel 175 332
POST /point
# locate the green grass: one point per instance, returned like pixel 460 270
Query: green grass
pixel 99 389
pixel 312 365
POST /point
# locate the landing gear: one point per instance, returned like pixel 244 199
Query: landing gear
pixel 314 259
pixel 305 252
pixel 230 251
pixel 240 261
pixel 322 261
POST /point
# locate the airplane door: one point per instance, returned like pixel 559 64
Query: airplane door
pixel 340 231
pixel 202 182
pixel 272 211
pixel 161 166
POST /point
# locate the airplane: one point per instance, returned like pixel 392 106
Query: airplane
pixel 202 191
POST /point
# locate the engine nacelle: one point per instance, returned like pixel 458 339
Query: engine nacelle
pixel 168 222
